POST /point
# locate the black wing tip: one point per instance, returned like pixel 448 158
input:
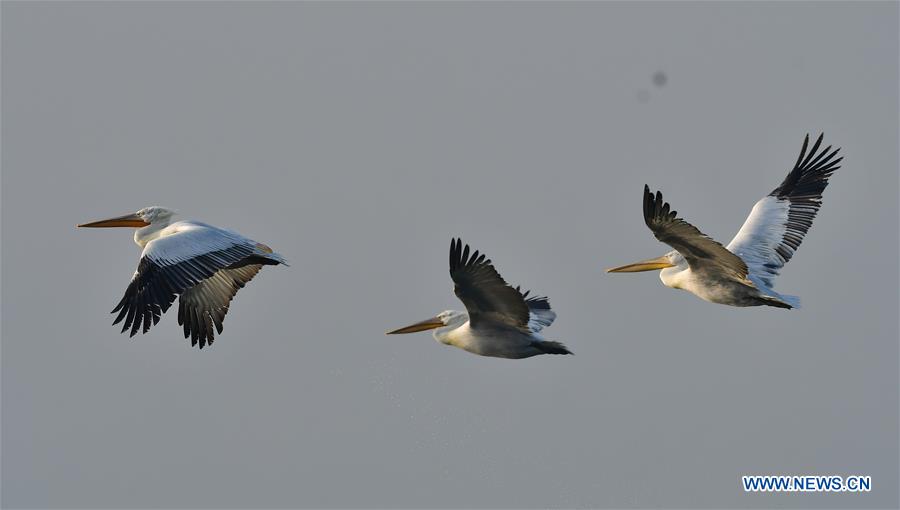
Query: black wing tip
pixel 461 255
pixel 812 152
pixel 455 252
pixel 534 301
pixel 651 195
pixel 811 172
pixel 656 209
pixel 198 336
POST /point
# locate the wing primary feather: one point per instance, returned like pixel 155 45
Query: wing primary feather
pixel 802 151
pixel 486 296
pixel 170 266
pixel 701 252
pixel 210 299
pixel 779 222
pixel 812 151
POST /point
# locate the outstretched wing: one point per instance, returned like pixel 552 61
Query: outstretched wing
pixel 483 291
pixel 173 264
pixel 779 222
pixel 203 306
pixel 701 251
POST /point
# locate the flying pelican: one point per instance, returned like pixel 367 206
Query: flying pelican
pixel 203 264
pixel 743 273
pixel 502 321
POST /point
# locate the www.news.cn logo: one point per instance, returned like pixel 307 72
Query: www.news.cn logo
pixel 831 483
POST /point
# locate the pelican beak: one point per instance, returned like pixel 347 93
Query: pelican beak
pixel 644 265
pixel 425 325
pixel 129 220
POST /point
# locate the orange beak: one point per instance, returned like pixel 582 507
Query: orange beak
pixel 644 265
pixel 129 220
pixel 425 325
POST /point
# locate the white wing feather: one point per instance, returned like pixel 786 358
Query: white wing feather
pixel 540 319
pixel 760 236
pixel 778 222
pixel 186 240
pixel 185 255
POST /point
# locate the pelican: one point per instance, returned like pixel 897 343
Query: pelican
pixel 203 264
pixel 742 273
pixel 500 321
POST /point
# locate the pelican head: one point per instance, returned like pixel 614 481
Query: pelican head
pixel 447 318
pixel 671 259
pixel 152 215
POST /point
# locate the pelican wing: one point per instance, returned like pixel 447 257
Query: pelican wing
pixel 539 313
pixel 779 222
pixel 485 293
pixel 701 251
pixel 175 263
pixel 203 306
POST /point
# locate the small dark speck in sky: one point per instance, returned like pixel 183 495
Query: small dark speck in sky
pixel 660 78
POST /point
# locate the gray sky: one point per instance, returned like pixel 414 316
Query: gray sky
pixel 356 139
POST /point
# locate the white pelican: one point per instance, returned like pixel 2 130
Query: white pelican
pixel 743 273
pixel 203 264
pixel 501 321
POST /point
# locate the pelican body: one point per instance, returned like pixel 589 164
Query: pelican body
pixel 743 273
pixel 501 321
pixel 201 264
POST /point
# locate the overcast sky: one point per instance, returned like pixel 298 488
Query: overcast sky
pixel 357 139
